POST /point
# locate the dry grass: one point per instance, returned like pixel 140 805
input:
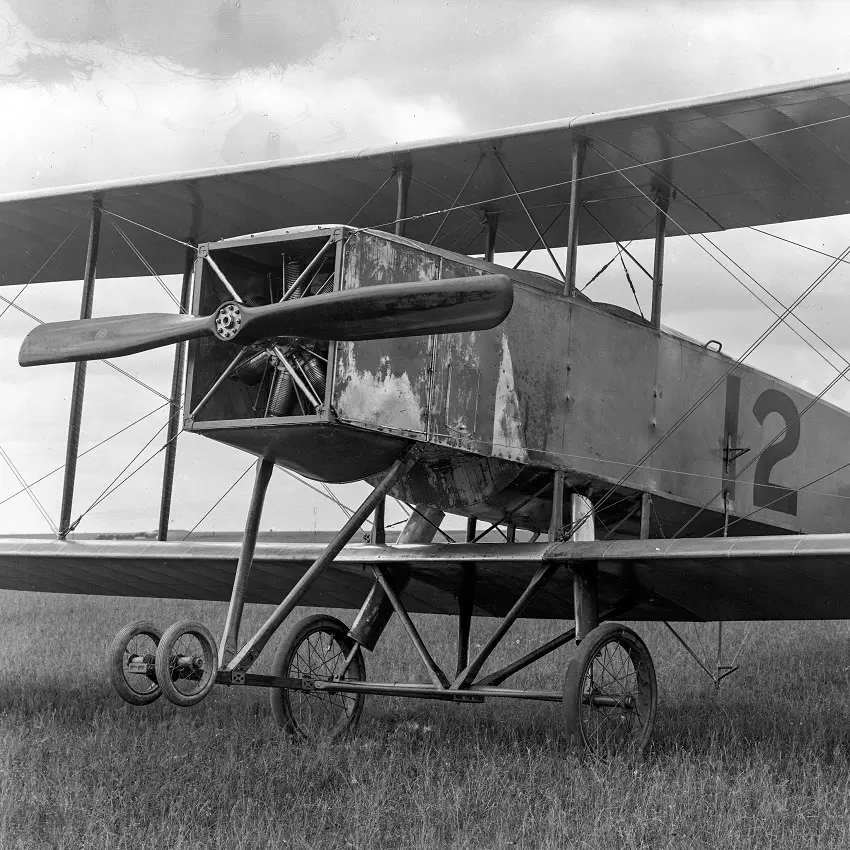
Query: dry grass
pixel 766 763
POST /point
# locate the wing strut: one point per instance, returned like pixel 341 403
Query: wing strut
pixel 579 151
pixel 79 387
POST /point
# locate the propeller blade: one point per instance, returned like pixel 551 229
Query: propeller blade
pixel 110 336
pixel 385 311
pixel 372 312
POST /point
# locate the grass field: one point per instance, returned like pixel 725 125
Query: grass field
pixel 764 763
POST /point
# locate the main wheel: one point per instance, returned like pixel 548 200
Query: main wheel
pixel 316 649
pixel 610 693
pixel 186 662
pixel 131 659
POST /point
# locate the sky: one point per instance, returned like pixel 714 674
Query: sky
pixel 121 88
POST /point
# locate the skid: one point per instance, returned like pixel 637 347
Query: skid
pixel 394 689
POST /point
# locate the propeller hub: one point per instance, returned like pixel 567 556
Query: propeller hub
pixel 228 321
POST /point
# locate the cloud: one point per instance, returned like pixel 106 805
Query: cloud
pixel 210 37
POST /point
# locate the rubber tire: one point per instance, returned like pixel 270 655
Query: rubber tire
pixel 280 697
pixel 116 662
pixel 163 658
pixel 588 649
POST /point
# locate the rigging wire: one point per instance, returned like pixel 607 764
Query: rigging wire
pixel 516 193
pixel 793 242
pixel 822 277
pixel 220 500
pixel 620 247
pixel 673 428
pixel 631 286
pixel 457 196
pixel 41 267
pixel 726 269
pixel 558 215
pixel 573 456
pixel 795 490
pixel 811 330
pixel 109 363
pixel 369 199
pixel 110 489
pixel 29 491
pixel 771 442
pixel 82 454
pixel 148 266
pixel 614 170
pixel 151 229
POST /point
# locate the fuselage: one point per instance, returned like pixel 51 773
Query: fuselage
pixel 563 383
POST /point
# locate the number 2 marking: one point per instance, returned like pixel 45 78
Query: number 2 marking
pixel 767 495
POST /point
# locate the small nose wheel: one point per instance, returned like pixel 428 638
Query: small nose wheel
pixel 186 662
pixel 131 663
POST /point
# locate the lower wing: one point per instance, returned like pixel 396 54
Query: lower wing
pixel 753 578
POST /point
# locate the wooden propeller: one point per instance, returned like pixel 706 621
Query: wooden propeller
pixel 371 312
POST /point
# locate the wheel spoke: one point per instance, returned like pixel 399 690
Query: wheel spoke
pixel 613 664
pixel 316 651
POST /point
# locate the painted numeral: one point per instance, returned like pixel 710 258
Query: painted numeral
pixel 765 494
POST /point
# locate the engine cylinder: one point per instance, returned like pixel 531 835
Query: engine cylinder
pixel 314 369
pixel 292 268
pixel 252 370
pixel 282 396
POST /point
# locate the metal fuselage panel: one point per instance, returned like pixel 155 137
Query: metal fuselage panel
pixel 562 383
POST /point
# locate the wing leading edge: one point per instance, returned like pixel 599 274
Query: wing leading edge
pixel 750 158
pixel 755 578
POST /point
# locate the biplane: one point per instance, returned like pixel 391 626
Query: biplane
pixel 635 474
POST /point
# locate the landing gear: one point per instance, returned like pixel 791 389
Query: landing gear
pixel 318 648
pixel 131 663
pixel 186 662
pixel 610 693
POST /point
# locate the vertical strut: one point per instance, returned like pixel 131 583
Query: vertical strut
pixel 403 179
pixel 556 523
pixel 378 535
pixel 579 151
pixel 230 639
pixel 79 386
pixel 645 509
pixel 492 219
pixel 376 611
pixel 662 201
pixel 465 606
pixel 174 424
pixel 248 654
pixel 585 597
pixel 539 579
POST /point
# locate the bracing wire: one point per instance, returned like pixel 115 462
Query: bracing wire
pixel 771 442
pixel 614 170
pixel 151 229
pixel 669 432
pixel 148 266
pixel 455 206
pixel 41 267
pixel 82 454
pixel 220 500
pixel 28 489
pixel 109 363
pixel 112 486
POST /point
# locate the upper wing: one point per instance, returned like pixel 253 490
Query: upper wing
pixel 755 578
pixel 750 158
